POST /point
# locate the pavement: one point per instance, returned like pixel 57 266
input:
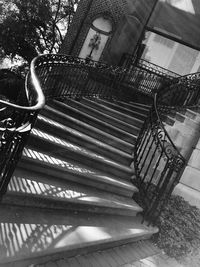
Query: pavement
pixel 138 254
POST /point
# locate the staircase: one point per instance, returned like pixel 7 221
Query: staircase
pixel 71 192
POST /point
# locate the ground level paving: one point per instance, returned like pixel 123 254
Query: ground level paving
pixel 138 254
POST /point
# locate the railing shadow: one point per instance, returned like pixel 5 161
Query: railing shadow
pixel 41 232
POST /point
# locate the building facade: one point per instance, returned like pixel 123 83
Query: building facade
pixel 104 30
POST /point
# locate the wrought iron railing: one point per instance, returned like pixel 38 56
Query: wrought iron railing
pixel 128 60
pixel 184 92
pixel 147 77
pixel 76 77
pixel 16 120
pixel 158 163
pixel 64 76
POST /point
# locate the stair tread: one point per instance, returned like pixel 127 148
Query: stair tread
pixel 92 128
pixel 45 188
pixel 140 104
pixel 69 147
pixel 83 136
pixel 113 111
pixel 48 233
pixel 82 104
pixel 107 124
pixel 135 104
pixel 115 106
pixel 48 161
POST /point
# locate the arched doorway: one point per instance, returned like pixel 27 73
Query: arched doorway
pixel 96 39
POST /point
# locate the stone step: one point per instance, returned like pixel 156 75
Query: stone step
pixel 32 189
pixel 190 113
pixel 167 119
pixel 145 106
pixel 88 130
pixel 83 140
pixel 100 115
pixel 132 120
pixel 32 235
pixel 141 253
pixel 90 120
pixel 141 114
pixel 65 150
pixel 135 107
pixel 37 161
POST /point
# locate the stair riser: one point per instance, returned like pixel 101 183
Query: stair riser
pixel 134 107
pixel 111 112
pixel 62 152
pixel 39 202
pixel 81 250
pixel 88 131
pixel 85 143
pixel 138 115
pixel 101 117
pixel 57 173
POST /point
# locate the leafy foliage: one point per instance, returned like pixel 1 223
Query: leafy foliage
pixel 30 27
pixel 179 228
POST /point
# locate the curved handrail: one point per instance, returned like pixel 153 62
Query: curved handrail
pixel 155 149
pixel 16 121
pixel 40 99
pixel 157 69
pixel 184 92
pixel 76 77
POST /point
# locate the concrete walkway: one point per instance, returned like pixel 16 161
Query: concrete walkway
pixel 139 254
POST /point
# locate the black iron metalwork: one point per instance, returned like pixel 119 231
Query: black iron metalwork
pixel 64 76
pixel 16 121
pixel 128 60
pixel 146 77
pixel 158 163
pixel 183 93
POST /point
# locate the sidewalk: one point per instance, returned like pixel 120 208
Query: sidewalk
pixel 138 254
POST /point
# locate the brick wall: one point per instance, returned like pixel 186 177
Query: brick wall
pixel 128 18
pixel 83 18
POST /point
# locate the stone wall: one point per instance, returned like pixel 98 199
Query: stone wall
pixel 186 136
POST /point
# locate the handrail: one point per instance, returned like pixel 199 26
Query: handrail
pixel 184 92
pixel 76 77
pixel 16 121
pixel 155 149
pixel 129 60
pixel 40 99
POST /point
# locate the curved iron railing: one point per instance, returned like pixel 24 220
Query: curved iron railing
pixel 16 120
pixel 129 60
pixel 76 77
pixel 146 77
pixel 65 76
pixel 158 163
pixel 184 92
